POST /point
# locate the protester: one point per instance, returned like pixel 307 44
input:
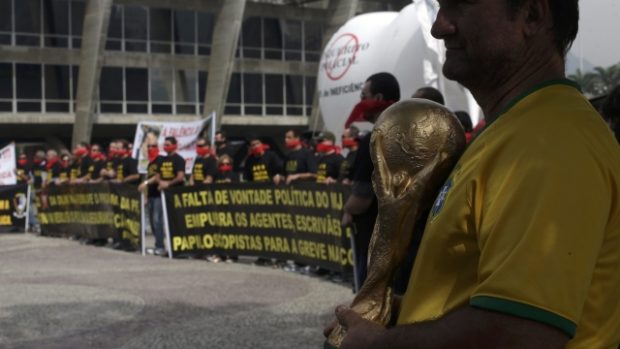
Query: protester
pixel 38 173
pixel 170 173
pixel 522 246
pixel 154 204
pixel 82 165
pixel 430 93
pixel 330 161
pixel 300 163
pixel 64 176
pixel 350 139
pixel 378 93
pixel 108 172
pixel 222 146
pixel 98 160
pixel 126 167
pixel 262 165
pixel 225 173
pixel 205 165
pixel 22 169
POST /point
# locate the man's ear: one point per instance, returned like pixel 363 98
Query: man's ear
pixel 378 96
pixel 537 16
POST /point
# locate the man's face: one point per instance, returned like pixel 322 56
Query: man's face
pixel 482 42
pixel 366 93
pixel 255 144
pixel 219 138
pixel 289 136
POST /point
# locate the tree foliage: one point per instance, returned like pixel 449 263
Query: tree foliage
pixel 599 81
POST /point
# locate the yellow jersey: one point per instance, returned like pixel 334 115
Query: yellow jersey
pixel 528 223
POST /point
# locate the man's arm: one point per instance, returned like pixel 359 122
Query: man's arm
pixel 463 328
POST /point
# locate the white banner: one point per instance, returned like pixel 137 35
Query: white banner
pixel 7 165
pixel 186 134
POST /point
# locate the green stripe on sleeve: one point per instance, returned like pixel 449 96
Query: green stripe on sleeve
pixel 525 311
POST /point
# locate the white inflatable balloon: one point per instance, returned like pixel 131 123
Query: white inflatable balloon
pixel 396 42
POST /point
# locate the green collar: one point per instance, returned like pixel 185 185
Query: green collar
pixel 533 89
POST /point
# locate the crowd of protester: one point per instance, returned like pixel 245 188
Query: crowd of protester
pixel 320 159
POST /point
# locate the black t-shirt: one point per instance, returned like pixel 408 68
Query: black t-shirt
pixel 126 167
pixel 53 172
pixel 263 168
pixel 152 170
pixel 64 173
pixel 227 149
pixel 83 167
pixel 226 177
pixel 347 166
pixel 204 167
pixel 300 161
pixel 21 172
pixel 37 173
pixel 169 167
pixel 95 168
pixel 74 170
pixel 329 166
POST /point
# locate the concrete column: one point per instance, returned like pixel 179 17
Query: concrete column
pixel 94 36
pixel 227 30
pixel 342 11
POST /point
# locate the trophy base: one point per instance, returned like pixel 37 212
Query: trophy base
pixel 327 345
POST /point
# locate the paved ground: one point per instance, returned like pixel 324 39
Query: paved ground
pixel 56 293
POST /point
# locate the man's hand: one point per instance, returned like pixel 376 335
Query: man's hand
pixel 361 333
pixel 163 185
pixel 347 219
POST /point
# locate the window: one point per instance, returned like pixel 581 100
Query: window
pixel 77 22
pixel 253 94
pixel 313 36
pixel 6 87
pixel 6 23
pixel 294 94
pixel 206 22
pixel 184 31
pixel 160 30
pixel 29 92
pixel 134 30
pixel 251 37
pixel 161 90
pixel 136 90
pixel 292 40
pixel 274 94
pixel 115 29
pixel 186 89
pixel 57 88
pixel 56 23
pixel 234 95
pixel 28 22
pixel 272 31
pixel 111 90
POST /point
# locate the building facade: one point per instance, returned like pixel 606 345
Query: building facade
pixel 73 70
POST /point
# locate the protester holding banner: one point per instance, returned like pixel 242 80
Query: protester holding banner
pixel 38 168
pixel 82 164
pixel 350 138
pixel 108 172
pixel 97 163
pixel 262 165
pixel 52 168
pixel 127 167
pixel 64 176
pixel 330 161
pixel 225 173
pixel 300 162
pixel 153 195
pixel 22 169
pixel 205 165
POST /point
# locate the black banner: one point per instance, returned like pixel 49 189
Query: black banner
pixel 299 222
pixel 96 211
pixel 14 207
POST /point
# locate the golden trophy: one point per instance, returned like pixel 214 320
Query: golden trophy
pixel 414 145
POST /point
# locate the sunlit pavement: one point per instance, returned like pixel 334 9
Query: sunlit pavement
pixel 56 293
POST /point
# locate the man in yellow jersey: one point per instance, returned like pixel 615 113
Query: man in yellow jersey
pixel 522 247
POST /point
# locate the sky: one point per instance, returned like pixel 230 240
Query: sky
pixel 599 32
